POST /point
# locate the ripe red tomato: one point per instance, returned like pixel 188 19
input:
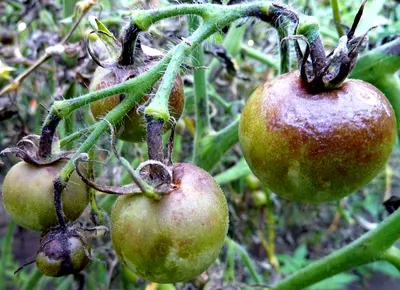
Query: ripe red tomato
pixel 133 125
pixel 176 238
pixel 316 147
pixel 28 195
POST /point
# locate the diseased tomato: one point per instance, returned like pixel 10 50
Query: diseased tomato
pixel 63 254
pixel 133 125
pixel 177 237
pixel 28 195
pixel 316 147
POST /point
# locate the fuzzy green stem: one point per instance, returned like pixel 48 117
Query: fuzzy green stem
pixel 76 135
pixel 336 17
pixel 284 50
pixel 261 57
pixel 70 122
pixel 370 247
pixel 158 107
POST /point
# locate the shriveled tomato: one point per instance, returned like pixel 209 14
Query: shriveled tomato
pixel 177 237
pixel 133 127
pixel 28 195
pixel 63 253
pixel 316 147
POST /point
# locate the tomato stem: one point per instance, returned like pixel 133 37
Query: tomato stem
pixel 58 188
pixel 155 146
pixel 47 136
pixel 130 43
pixel 370 247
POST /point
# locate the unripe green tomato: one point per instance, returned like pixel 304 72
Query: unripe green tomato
pixel 177 237
pixel 316 147
pixel 28 195
pixel 252 181
pixel 63 256
pixel 259 198
pixel 133 126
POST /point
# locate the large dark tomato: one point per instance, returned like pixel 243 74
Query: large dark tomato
pixel 28 195
pixel 176 238
pixel 132 128
pixel 316 147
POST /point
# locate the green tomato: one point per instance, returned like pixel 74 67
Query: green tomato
pixel 177 237
pixel 252 181
pixel 316 147
pixel 259 198
pixel 28 195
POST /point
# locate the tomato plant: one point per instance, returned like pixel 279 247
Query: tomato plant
pixel 222 215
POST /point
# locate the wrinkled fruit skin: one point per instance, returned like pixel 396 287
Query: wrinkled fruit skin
pixel 133 127
pixel 62 255
pixel 176 238
pixel 320 147
pixel 28 195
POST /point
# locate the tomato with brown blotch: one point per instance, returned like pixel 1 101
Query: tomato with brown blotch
pixel 177 237
pixel 316 147
pixel 28 195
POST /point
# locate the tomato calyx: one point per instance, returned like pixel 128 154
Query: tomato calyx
pixel 28 149
pixel 326 72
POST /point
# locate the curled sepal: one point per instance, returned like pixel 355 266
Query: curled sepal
pixel 132 188
pixel 111 43
pixel 328 72
pixel 27 150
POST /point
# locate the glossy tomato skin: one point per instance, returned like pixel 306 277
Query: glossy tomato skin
pixel 133 127
pixel 319 147
pixel 176 238
pixel 29 199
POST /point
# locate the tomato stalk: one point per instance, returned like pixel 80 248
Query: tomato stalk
pixel 373 246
